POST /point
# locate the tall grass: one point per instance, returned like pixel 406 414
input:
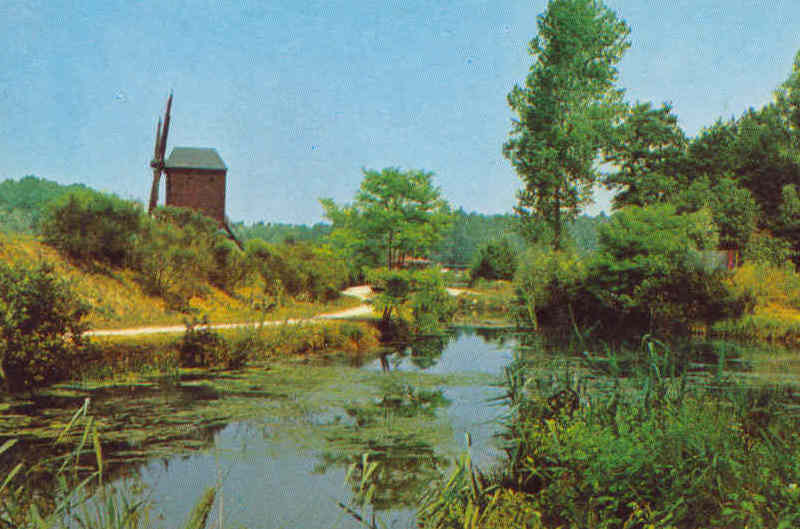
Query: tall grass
pixel 633 444
pixel 79 497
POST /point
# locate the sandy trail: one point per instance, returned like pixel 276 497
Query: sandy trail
pixel 362 292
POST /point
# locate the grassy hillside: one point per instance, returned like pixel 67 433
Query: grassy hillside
pixel 117 299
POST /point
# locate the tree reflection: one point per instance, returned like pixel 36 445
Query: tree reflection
pixel 381 429
pixel 426 353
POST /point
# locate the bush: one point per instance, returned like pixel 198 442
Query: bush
pixel 173 262
pixel 40 327
pixel 546 286
pixel 495 260
pixel 299 270
pixel 650 274
pixel 419 297
pixel 766 284
pixel 230 267
pixel 202 347
pixel 88 225
pixel 431 305
pixel 181 251
pixel 764 248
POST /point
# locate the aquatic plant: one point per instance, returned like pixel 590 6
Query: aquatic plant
pixel 631 443
pixel 80 498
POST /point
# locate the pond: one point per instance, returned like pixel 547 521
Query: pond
pixel 278 439
pixel 410 411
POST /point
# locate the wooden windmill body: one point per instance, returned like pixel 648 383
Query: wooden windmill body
pixel 196 177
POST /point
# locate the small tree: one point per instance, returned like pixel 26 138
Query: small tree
pixel 396 214
pixel 40 326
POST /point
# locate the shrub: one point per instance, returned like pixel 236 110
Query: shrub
pixel 174 264
pixel 40 327
pixel 299 270
pixel 88 225
pixel 649 272
pixel 495 260
pixel 431 305
pixel 418 296
pixel 764 248
pixel 546 286
pixel 767 284
pixel 202 347
pixel 230 267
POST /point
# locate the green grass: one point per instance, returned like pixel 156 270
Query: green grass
pixel 773 326
pixel 486 303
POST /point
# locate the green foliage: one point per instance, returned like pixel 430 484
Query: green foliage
pixel 788 221
pixel 417 295
pixel 650 272
pixel 175 261
pixel 470 231
pixel 646 150
pixel 432 307
pixel 764 248
pixel 648 451
pixel 318 273
pixel 230 267
pixel 22 203
pixel 40 327
pixel 546 286
pixel 565 109
pixel 733 208
pixel 299 270
pixel 91 226
pixel 396 214
pixel 202 347
pixel 496 260
pixel 278 233
pixel 394 289
pixel 180 252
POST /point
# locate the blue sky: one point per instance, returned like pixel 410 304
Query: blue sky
pixel 298 96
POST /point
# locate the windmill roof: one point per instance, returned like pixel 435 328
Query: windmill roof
pixel 194 158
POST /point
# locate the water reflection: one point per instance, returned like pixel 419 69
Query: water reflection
pixel 408 406
pixel 461 349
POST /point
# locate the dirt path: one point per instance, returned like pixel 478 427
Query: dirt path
pixel 362 292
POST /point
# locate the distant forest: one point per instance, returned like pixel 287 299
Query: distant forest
pixel 23 201
pixel 459 246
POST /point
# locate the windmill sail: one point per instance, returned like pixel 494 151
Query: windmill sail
pixel 157 163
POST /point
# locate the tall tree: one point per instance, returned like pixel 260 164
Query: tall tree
pixel 565 109
pixel 396 214
pixel 646 150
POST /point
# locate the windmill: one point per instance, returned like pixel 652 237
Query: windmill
pixel 195 177
pixel 157 163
